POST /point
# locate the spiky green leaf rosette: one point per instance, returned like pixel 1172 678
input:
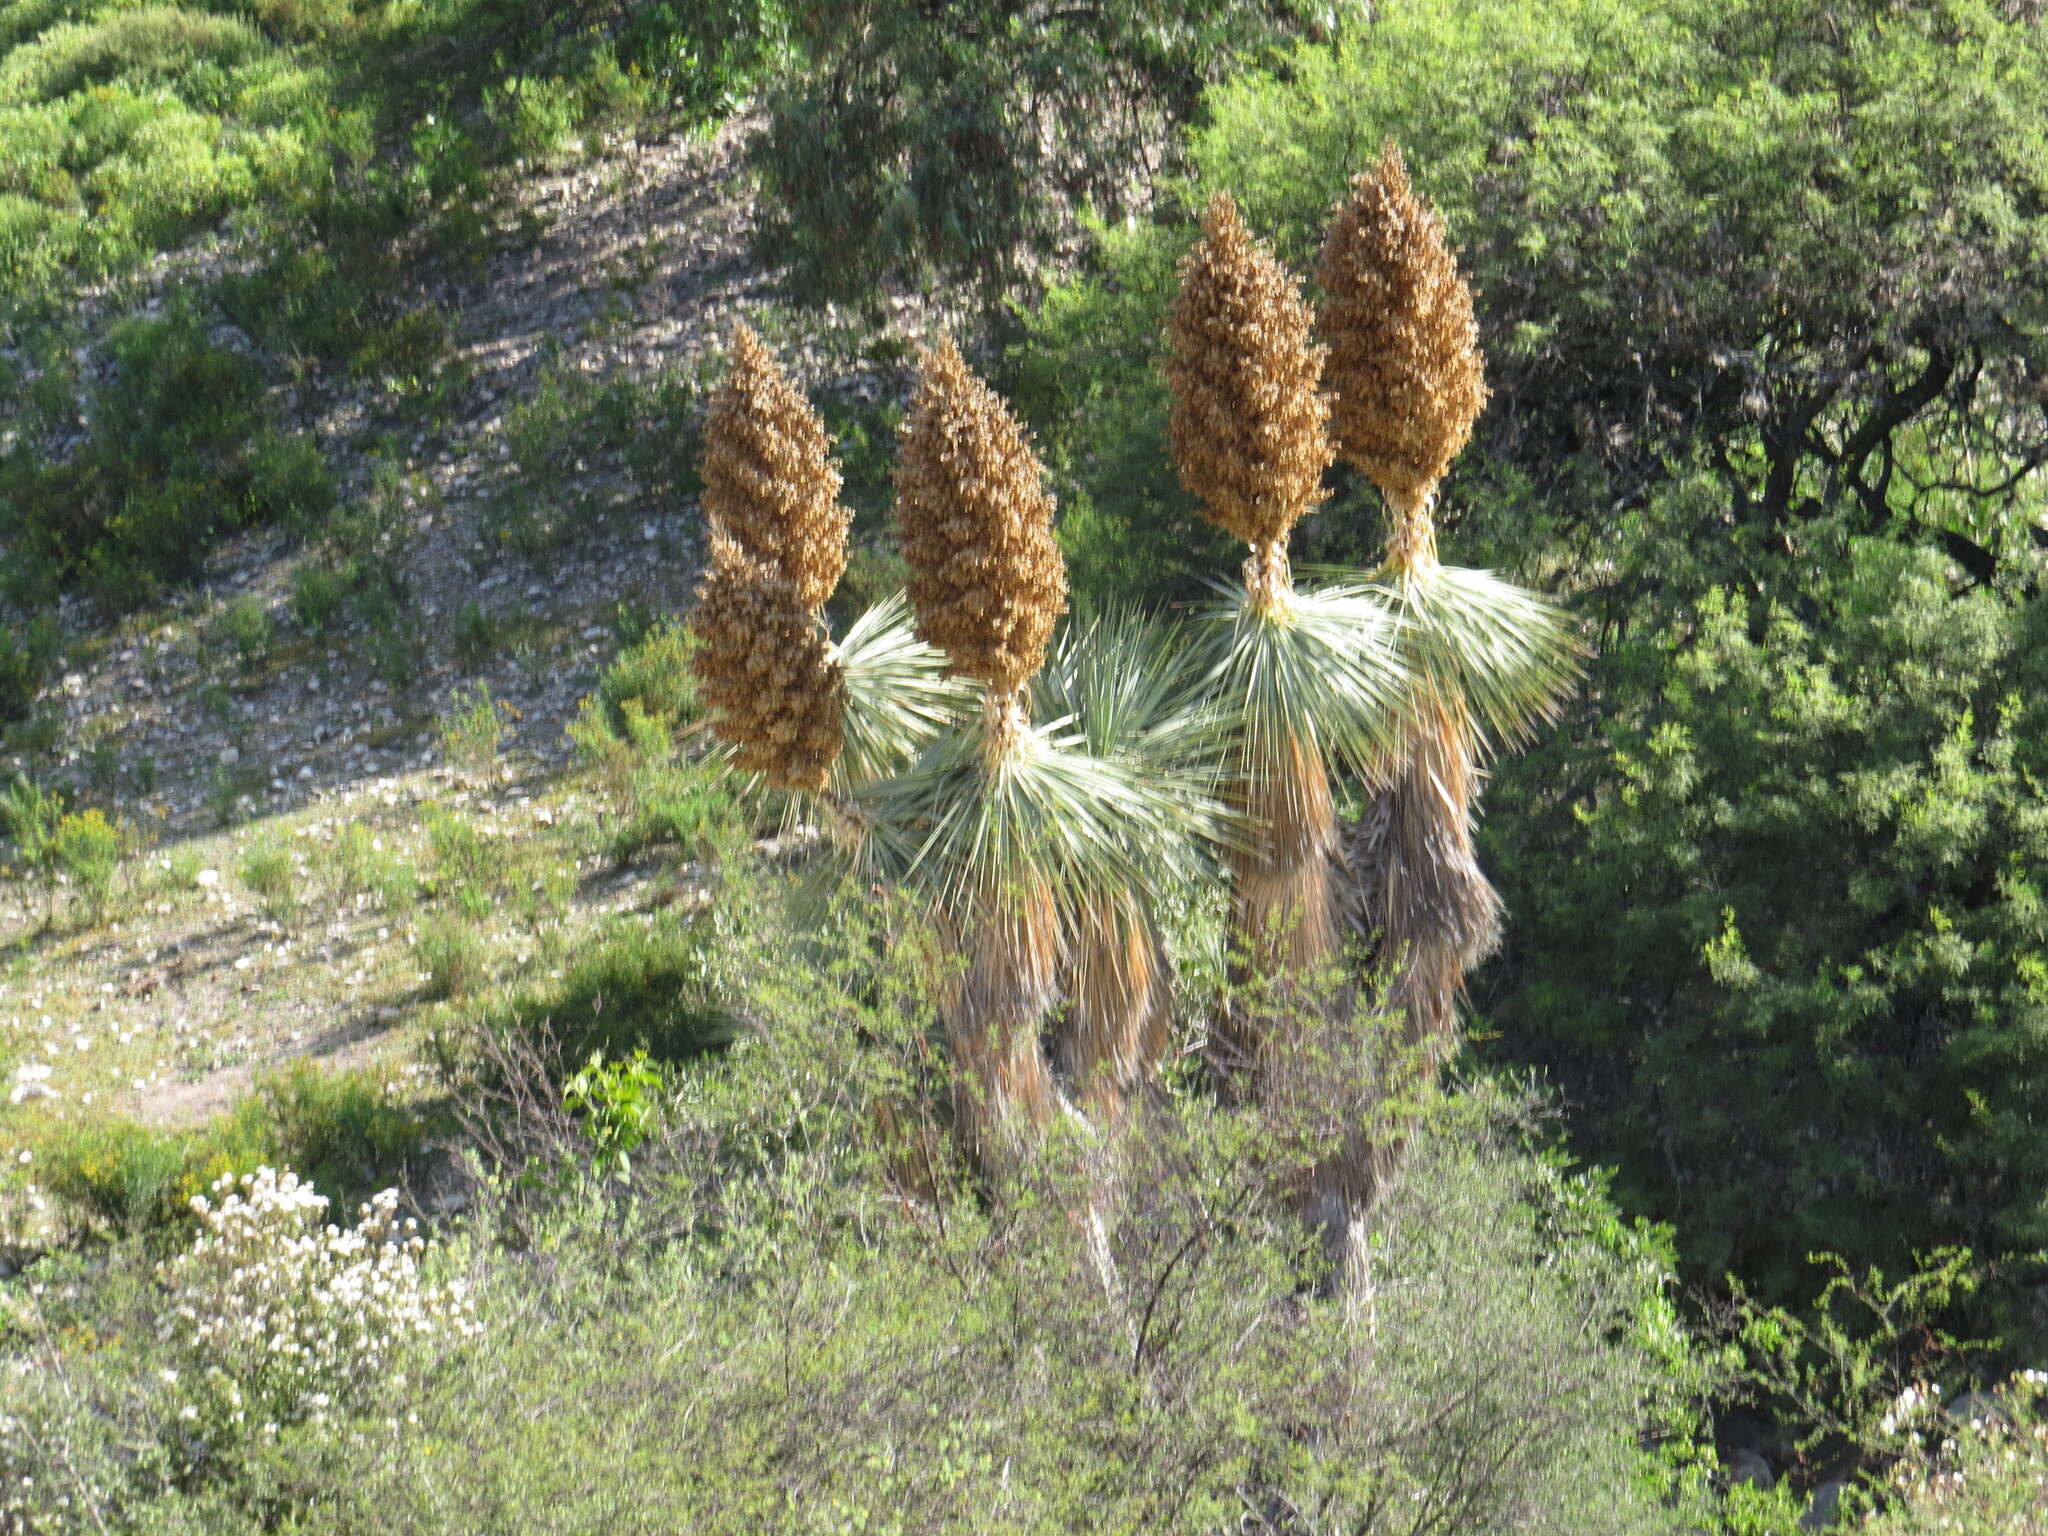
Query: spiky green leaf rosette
pixel 898 696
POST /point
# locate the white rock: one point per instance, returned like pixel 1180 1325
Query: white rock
pixel 207 879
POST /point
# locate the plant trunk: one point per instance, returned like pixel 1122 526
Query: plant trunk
pixel 1003 1091
pixel 1284 929
pixel 1425 915
pixel 1119 1005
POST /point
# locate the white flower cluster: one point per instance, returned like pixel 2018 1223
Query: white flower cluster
pixel 31 1081
pixel 1909 1407
pixel 278 1317
pixel 1981 1471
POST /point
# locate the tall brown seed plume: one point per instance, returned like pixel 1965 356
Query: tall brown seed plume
pixel 773 686
pixel 769 482
pixel 1404 365
pixel 975 522
pixel 1249 428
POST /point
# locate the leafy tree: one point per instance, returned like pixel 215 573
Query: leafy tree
pixel 1779 921
pixel 949 141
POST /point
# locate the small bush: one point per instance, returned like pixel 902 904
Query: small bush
pixel 317 596
pixel 1983 1478
pixel 463 854
pixel 87 848
pixel 271 872
pixel 657 988
pixel 478 634
pixel 655 675
pixel 362 866
pixel 244 628
pixel 657 795
pixel 27 653
pixel 343 1128
pixel 120 1175
pixel 472 731
pixel 179 454
pixel 453 956
pixel 28 817
pixel 275 1317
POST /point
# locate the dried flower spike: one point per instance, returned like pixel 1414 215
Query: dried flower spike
pixel 769 482
pixel 1404 365
pixel 975 522
pixel 1249 428
pixel 773 685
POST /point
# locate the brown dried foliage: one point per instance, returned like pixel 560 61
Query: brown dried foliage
pixel 1283 909
pixel 1417 903
pixel 1003 1090
pixel 1119 1004
pixel 774 688
pixel 770 484
pixel 975 521
pixel 1250 425
pixel 1404 366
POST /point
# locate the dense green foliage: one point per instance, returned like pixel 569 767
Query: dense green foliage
pixel 1762 293
pixel 761 1333
pixel 326 144
pixel 180 450
pixel 910 147
pixel 341 1128
pixel 1783 935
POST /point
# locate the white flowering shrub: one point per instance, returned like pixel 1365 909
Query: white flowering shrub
pixel 276 1317
pixel 1978 1474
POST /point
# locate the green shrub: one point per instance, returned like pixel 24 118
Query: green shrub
pixel 478 634
pixel 463 853
pixel 27 653
pixel 659 988
pixel 87 848
pixel 452 954
pixel 124 1176
pixel 1783 942
pixel 180 454
pixel 317 596
pixel 244 627
pixel 960 154
pixel 270 869
pixel 342 1129
pixel 362 866
pixel 655 675
pixel 472 731
pixel 658 795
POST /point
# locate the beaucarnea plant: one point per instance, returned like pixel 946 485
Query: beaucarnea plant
pixel 1487 661
pixel 769 481
pixel 1037 856
pixel 1308 681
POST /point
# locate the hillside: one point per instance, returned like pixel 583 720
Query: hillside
pixel 1512 1003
